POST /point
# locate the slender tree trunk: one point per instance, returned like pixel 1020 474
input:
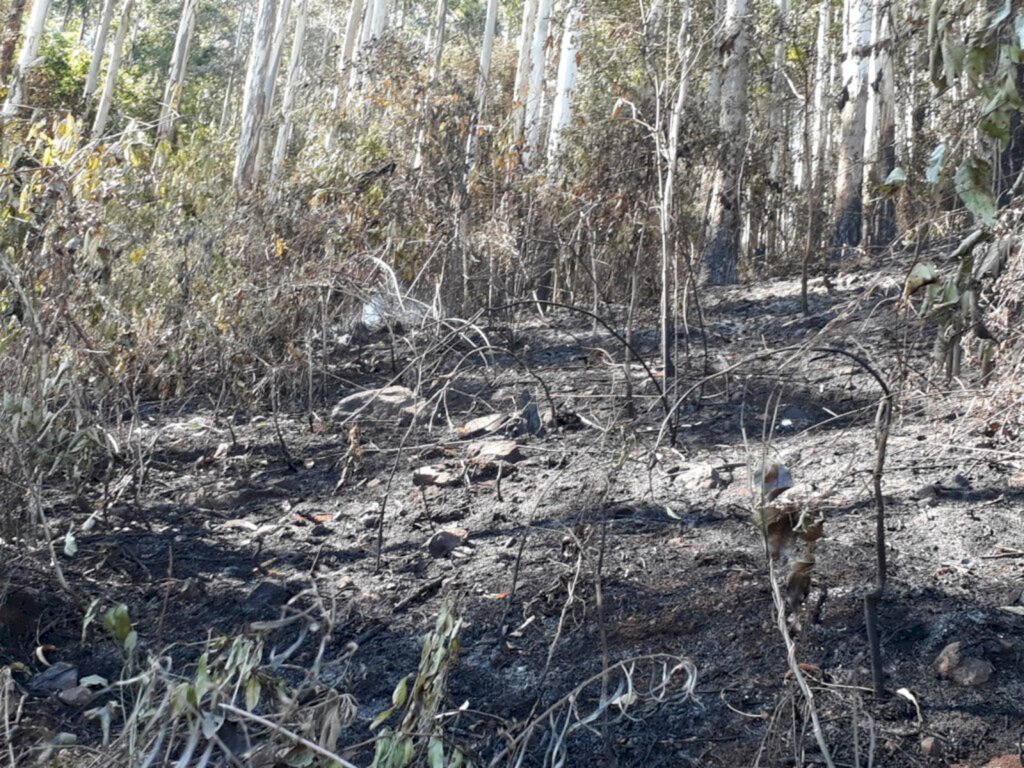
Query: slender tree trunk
pixel 294 65
pixel 561 109
pixel 535 95
pixel 881 153
pixel 521 91
pixel 12 31
pixel 176 75
pixel 27 57
pixel 107 98
pixel 481 87
pixel 849 201
pixel 280 33
pixel 346 61
pixel 435 67
pixel 98 48
pixel 227 109
pixel 819 131
pixel 254 106
pixel 722 254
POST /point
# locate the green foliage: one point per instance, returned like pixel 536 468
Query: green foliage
pixel 57 82
pixel 419 736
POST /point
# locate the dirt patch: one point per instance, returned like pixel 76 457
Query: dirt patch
pixel 613 596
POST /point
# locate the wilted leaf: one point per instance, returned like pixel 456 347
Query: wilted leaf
pixel 894 182
pixel 936 163
pixel 70 544
pixel 435 752
pixel 401 692
pixel 974 185
pixel 118 623
pixel 920 275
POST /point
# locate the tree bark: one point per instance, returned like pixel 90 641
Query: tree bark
pixel 176 75
pixel 521 90
pixel 721 258
pixel 107 98
pixel 254 106
pixel 881 153
pixel 849 200
pixel 227 109
pixel 561 110
pixel 98 48
pixel 288 101
pixel 535 94
pixel 27 57
pixel 12 31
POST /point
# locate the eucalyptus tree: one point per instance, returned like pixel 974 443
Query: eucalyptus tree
pixel 27 57
pixel 290 89
pixel 9 43
pixel 98 48
pixel 107 97
pixel 849 197
pixel 565 85
pixel 535 87
pixel 881 127
pixel 722 249
pixel 176 76
pixel 254 106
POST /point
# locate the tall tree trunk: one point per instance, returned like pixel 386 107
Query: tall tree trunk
pixel 107 98
pixel 176 75
pixel 435 67
pixel 722 253
pixel 535 95
pixel 561 109
pixel 227 109
pixel 521 90
pixel 12 31
pixel 254 106
pixel 280 33
pixel 287 103
pixel 346 61
pixel 881 132
pixel 27 57
pixel 849 200
pixel 483 74
pixel 819 131
pixel 98 47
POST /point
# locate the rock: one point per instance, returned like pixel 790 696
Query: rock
pixel 79 696
pixel 444 542
pixel 931 747
pixel 490 451
pixel 60 677
pixel 435 474
pixel 386 403
pixel 951 664
pixel 484 425
pixel 948 659
pixel 972 672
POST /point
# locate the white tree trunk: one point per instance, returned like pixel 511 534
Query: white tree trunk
pixel 379 19
pixel 535 95
pixel 98 47
pixel 346 60
pixel 421 136
pixel 176 75
pixel 522 85
pixel 561 108
pixel 254 106
pixel 107 98
pixel 288 101
pixel 280 33
pixel 820 131
pixel 849 202
pixel 776 119
pixel 722 254
pixel 27 57
pixel 227 110
pixel 481 85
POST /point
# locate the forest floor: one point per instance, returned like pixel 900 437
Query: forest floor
pixel 592 556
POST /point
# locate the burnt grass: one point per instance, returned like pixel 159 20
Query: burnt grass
pixel 602 548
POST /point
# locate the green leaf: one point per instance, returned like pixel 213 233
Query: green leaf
pixel 920 275
pixel 894 182
pixel 974 185
pixel 401 692
pixel 936 163
pixel 70 544
pixel 252 693
pixel 435 753
pixel 118 623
